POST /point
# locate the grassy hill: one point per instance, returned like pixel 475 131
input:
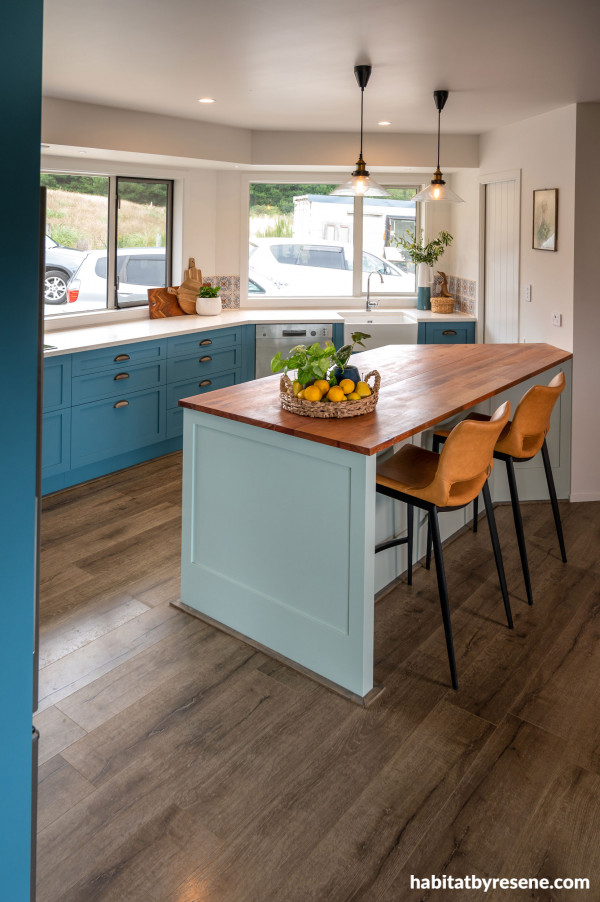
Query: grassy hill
pixel 81 221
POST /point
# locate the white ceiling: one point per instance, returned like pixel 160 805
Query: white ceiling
pixel 288 64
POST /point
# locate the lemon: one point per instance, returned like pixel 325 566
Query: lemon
pixel 322 385
pixel 353 396
pixel 336 393
pixel 312 393
pixel 363 390
pixel 297 386
pixel 300 395
pixel 347 386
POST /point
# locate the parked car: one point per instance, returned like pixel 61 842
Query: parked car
pixel 138 269
pixel 60 264
pixel 325 267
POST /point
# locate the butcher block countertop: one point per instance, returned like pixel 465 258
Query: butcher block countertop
pixel 421 385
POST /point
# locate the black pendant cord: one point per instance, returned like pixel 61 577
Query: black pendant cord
pixel 362 97
pixel 439 120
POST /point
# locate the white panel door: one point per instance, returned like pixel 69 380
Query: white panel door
pixel 502 201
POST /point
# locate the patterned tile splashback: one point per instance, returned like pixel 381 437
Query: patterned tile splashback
pixel 464 292
pixel 230 290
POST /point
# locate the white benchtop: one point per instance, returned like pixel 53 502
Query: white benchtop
pixel 86 338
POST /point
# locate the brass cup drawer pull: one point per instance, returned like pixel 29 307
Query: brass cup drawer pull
pixel 205 341
pixel 121 404
pixel 449 332
pixel 204 383
pixel 205 359
pixel 121 376
pixel 121 357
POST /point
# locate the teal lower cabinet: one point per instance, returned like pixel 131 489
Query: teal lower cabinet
pixel 111 408
pixel 456 333
pixel 107 428
pixel 56 446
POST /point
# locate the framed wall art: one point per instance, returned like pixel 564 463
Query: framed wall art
pixel 545 219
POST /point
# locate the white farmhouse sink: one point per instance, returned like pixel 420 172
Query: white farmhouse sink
pixel 378 316
pixel 385 327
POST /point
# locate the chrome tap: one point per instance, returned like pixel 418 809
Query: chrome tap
pixel 372 304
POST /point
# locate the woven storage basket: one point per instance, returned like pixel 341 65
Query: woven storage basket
pixel 329 410
pixel 442 305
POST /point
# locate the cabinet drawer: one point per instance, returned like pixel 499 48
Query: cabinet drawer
pixel 450 333
pixel 198 387
pixel 117 356
pixel 128 379
pixel 57 382
pixel 56 442
pixel 103 429
pixel 185 345
pixel 203 364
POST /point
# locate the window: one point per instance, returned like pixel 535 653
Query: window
pixel 301 241
pixel 82 252
pixel 384 220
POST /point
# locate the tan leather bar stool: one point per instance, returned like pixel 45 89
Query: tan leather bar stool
pixel 443 482
pixel 520 441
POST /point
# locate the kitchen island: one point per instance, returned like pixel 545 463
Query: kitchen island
pixel 279 510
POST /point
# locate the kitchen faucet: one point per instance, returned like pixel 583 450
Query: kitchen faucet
pixel 371 304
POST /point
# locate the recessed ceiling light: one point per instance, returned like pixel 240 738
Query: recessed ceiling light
pixel 45 146
pixel 384 122
pixel 83 152
pixel 206 100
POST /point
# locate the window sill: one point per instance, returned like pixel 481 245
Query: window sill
pixel 59 321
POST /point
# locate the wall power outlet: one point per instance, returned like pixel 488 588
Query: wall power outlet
pixel 557 319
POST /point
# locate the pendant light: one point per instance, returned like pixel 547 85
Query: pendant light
pixel 438 189
pixel 360 183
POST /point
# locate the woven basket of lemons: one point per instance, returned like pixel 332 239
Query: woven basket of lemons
pixel 330 402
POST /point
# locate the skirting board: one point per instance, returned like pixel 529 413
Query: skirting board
pixel 364 702
pixel 584 496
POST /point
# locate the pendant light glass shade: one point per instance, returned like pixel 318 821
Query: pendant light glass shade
pixel 360 183
pixel 438 190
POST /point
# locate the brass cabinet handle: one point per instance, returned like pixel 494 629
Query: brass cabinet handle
pixel 205 359
pixel 121 357
pixel 121 376
pixel 121 404
pixel 204 383
pixel 206 341
pixel 449 332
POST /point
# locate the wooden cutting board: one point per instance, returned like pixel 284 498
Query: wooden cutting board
pixel 162 304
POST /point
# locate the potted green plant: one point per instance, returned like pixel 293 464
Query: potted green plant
pixel 424 256
pixel 208 302
pixel 342 356
pixel 315 363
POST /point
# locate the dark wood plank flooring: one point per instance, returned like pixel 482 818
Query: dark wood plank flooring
pixel 179 765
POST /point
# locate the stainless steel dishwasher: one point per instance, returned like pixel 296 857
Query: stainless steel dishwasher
pixel 283 337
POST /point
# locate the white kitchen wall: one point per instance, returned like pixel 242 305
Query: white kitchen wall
pixel 585 484
pixel 543 148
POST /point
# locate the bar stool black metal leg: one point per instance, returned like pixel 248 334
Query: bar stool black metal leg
pixel 410 515
pixel 475 512
pixel 428 555
pixel 443 590
pixel 514 498
pixel 554 502
pixel 435 444
pixel 489 509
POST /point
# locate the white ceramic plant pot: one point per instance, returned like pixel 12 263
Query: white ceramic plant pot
pixel 208 306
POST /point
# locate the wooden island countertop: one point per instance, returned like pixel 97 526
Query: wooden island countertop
pixel 421 385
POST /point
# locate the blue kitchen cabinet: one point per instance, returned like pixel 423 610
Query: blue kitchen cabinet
pixel 448 332
pixel 110 408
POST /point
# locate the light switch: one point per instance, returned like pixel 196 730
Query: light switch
pixel 527 292
pixel 557 319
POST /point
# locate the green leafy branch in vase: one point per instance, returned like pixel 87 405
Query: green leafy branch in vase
pixel 424 253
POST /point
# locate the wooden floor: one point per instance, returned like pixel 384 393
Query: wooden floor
pixel 180 765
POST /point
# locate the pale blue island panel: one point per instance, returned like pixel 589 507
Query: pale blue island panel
pixel 278 538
